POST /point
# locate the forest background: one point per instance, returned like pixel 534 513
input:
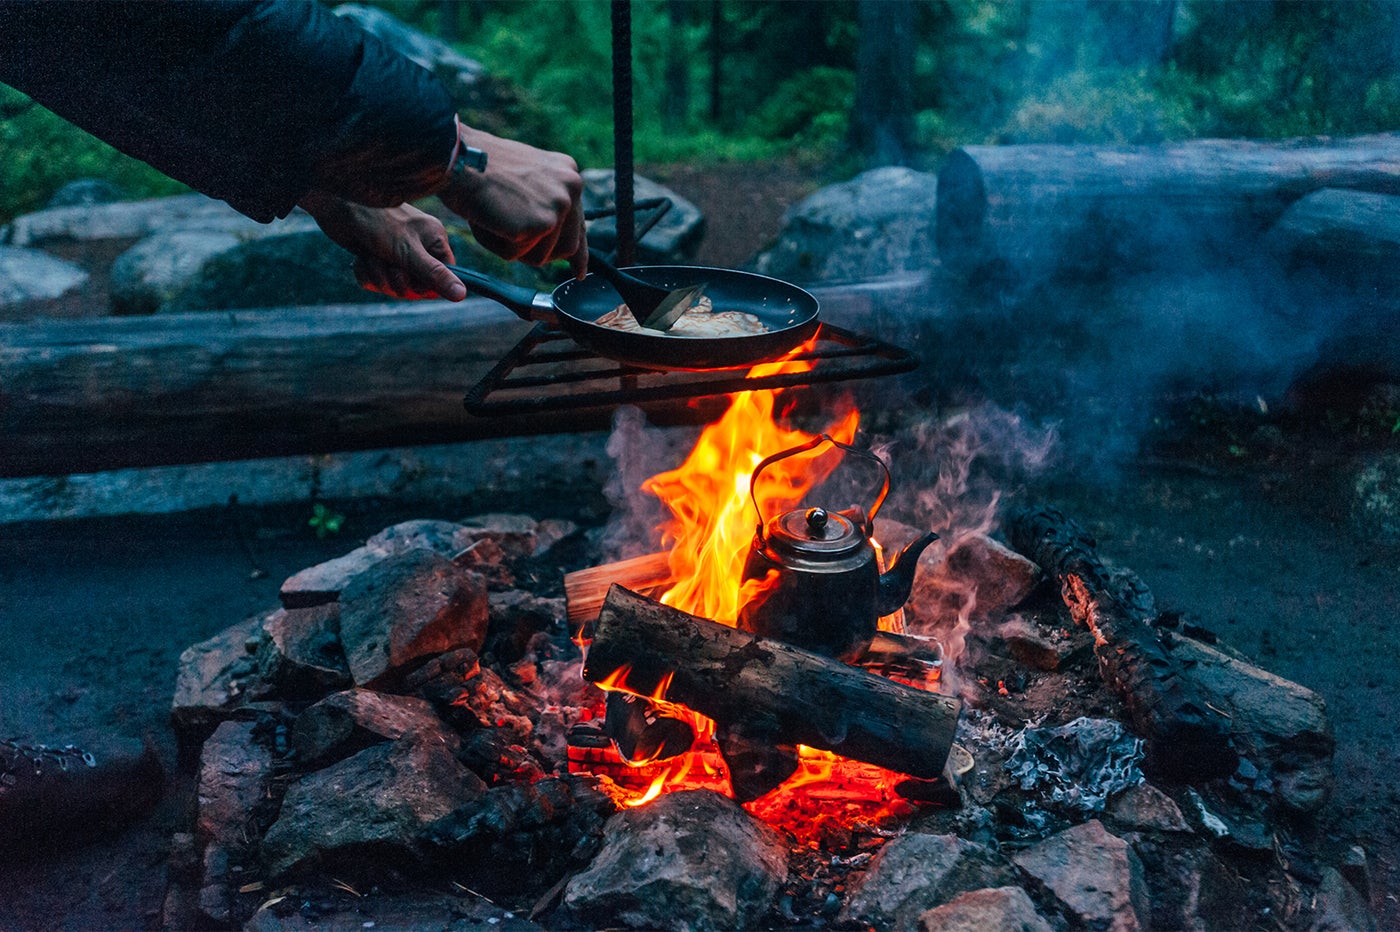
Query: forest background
pixel 834 86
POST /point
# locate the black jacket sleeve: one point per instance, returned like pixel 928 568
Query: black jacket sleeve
pixel 254 102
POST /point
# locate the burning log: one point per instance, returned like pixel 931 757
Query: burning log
pixel 585 589
pixel 1186 738
pixel 1045 209
pixel 768 687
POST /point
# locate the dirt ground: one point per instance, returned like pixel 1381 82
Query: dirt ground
pixel 94 615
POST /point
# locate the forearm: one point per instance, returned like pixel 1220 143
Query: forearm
pixel 252 102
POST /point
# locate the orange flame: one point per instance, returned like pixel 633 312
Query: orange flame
pixel 713 520
pixel 709 535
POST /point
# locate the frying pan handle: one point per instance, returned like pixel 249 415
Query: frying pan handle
pixel 527 303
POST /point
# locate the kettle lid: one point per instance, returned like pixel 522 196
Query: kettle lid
pixel 815 533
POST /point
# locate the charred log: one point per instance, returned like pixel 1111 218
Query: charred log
pixel 769 687
pixel 1186 739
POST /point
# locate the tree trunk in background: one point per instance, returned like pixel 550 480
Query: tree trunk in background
pixel 675 105
pixel 716 61
pixel 882 121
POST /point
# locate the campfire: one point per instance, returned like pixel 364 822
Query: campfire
pixel 871 725
pixel 744 466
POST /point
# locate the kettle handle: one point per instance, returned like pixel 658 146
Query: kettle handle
pixel 810 445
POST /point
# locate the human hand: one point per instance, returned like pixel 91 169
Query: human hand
pixel 526 206
pixel 399 251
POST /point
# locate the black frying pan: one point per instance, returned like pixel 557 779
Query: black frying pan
pixel 789 313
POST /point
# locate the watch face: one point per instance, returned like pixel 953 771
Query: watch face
pixel 469 158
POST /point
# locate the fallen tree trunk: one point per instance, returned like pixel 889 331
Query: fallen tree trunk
pixel 91 394
pixel 1186 738
pixel 1035 211
pixel 762 686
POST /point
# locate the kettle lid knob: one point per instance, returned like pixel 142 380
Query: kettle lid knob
pixel 816 518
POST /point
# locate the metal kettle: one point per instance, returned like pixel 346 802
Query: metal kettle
pixel 812 577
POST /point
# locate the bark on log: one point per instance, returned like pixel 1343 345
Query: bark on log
pixel 1034 211
pixel 768 687
pixel 83 395
pixel 87 395
pixel 1186 738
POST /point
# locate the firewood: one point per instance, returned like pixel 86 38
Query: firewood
pixel 768 687
pixel 584 590
pixel 1186 738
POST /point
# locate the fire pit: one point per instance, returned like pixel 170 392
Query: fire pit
pixel 413 737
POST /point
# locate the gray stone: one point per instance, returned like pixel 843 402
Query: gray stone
pixel 31 275
pixel 85 192
pixel 407 607
pixel 299 655
pixel 156 269
pixel 291 269
pixel 1146 808
pixel 235 773
pixel 217 679
pixel 348 722
pixel 976 577
pixel 917 872
pixel 514 532
pixel 424 534
pixel 675 238
pixel 380 800
pixel 879 223
pixel 322 583
pixel 134 219
pixel 1006 909
pixel 692 860
pixel 1094 874
pixel 1028 645
pixel 1340 907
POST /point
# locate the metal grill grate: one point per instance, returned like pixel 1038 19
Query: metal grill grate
pixel 547 371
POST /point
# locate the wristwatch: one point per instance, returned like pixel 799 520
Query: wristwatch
pixel 468 158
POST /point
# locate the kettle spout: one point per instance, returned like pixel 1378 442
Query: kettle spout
pixel 896 581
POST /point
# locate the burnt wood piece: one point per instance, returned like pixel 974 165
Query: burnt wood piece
pixel 1186 739
pixel 1038 210
pixel 768 687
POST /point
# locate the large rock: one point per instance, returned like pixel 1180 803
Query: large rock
pixel 689 860
pixel 322 583
pixel 299 654
pixel 917 872
pixel 1375 497
pixel 377 802
pixel 347 722
pixel 156 269
pixel 1094 874
pixel 235 774
pixel 676 237
pixel 1006 909
pixel 128 220
pixel 217 680
pixel 31 275
pixel 301 268
pixel 405 608
pixel 879 223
